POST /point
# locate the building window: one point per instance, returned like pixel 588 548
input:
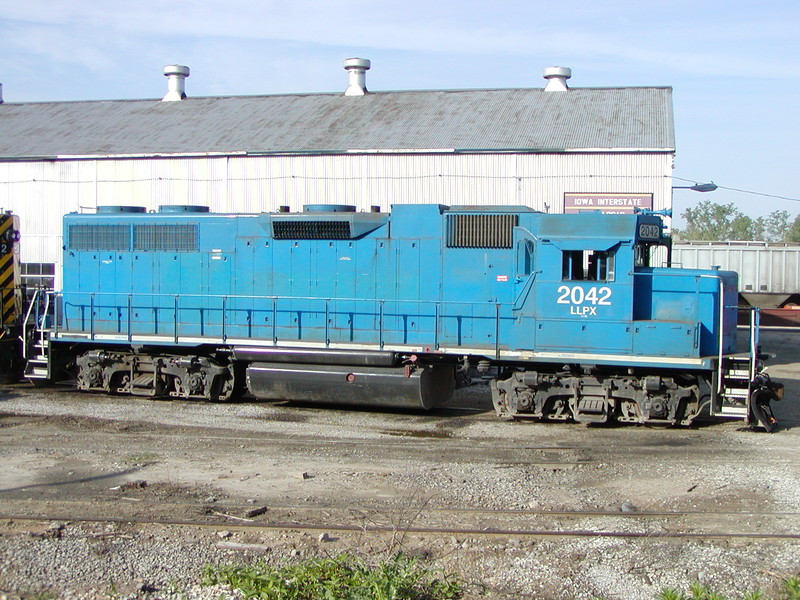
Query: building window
pixel 38 275
pixel 587 265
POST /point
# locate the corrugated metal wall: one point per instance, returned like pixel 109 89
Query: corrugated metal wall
pixel 41 192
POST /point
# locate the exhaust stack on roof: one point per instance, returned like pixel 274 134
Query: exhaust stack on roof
pixel 557 78
pixel 357 80
pixel 176 82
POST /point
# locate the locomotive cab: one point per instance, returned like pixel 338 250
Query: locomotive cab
pixel 624 339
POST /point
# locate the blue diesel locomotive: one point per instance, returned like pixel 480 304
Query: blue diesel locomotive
pixel 563 315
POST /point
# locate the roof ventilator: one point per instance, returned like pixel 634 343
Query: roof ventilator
pixel 357 80
pixel 557 78
pixel 176 82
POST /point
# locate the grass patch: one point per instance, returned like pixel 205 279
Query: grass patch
pixel 697 591
pixel 344 577
pixel 141 458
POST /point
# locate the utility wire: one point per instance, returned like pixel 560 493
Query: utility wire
pixel 722 187
pixel 420 177
pixel 733 189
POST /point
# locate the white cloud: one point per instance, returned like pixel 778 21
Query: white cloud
pixel 674 36
pixel 721 57
pixel 56 46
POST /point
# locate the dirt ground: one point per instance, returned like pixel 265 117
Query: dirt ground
pixel 715 502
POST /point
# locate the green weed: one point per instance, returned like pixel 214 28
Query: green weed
pixel 699 591
pixel 344 577
pixel 791 588
pixel 141 458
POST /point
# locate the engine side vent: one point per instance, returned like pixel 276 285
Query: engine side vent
pixel 481 231
pixel 165 238
pixel 311 230
pixel 99 237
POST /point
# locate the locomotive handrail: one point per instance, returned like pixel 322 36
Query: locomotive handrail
pixel 36 320
pixel 497 331
pixel 224 302
pixel 127 306
pixel 380 326
pixel 271 297
pixel 274 320
pixel 91 318
pixel 30 310
pixel 33 309
pixel 523 294
pixel 436 327
pixel 327 323
pixel 56 314
pixel 181 303
pixel 175 320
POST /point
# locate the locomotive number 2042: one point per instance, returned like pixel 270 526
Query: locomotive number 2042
pixel 577 295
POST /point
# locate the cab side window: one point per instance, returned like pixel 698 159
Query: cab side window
pixel 641 255
pixel 587 265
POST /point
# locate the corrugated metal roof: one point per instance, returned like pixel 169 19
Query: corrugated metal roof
pixel 467 120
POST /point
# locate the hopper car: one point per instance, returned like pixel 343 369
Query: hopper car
pixel 564 316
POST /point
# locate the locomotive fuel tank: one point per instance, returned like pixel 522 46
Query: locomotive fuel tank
pixel 397 387
pixel 346 377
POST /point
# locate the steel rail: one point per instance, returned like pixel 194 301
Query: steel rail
pixel 422 511
pixel 373 528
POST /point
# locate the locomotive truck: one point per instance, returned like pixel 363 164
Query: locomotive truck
pixel 565 316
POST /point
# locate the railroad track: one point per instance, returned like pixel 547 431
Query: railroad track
pixel 484 451
pixel 421 520
pixel 431 444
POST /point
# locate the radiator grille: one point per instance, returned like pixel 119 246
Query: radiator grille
pixel 480 231
pixel 166 238
pixel 311 230
pixel 99 237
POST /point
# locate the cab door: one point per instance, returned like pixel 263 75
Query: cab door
pixel 583 302
pixel 522 333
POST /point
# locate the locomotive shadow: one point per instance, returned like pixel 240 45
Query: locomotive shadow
pixel 474 399
pixel 71 482
pixel 783 365
pixel 10 391
pixel 440 411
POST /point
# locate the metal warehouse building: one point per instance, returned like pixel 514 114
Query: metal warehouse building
pixel 553 148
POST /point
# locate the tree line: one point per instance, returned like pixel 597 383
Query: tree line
pixel 712 222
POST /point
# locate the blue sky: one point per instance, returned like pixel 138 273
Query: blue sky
pixel 734 65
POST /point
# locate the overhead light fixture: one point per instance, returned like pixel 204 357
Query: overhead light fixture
pixel 697 187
